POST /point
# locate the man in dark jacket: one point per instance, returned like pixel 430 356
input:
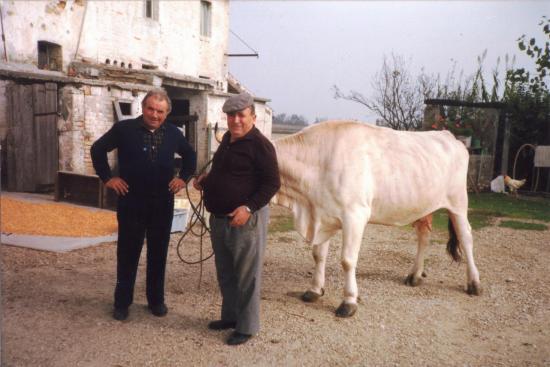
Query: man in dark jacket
pixel 145 187
pixel 237 190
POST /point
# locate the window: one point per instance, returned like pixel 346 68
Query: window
pixel 49 56
pixel 206 18
pixel 123 109
pixel 152 9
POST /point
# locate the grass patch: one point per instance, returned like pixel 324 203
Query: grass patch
pixel 507 206
pixel 478 219
pixel 523 225
pixel 281 223
pixel 483 208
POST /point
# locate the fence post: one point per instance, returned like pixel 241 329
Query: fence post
pixel 506 144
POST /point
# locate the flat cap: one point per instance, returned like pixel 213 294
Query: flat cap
pixel 238 103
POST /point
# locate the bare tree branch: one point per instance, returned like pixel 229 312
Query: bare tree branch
pixel 398 99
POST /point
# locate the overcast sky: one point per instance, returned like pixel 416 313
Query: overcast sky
pixel 306 47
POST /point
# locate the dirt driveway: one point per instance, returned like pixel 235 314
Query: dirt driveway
pixel 57 308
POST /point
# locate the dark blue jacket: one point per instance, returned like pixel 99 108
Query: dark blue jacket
pixel 144 177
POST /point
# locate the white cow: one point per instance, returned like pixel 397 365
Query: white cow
pixel 342 175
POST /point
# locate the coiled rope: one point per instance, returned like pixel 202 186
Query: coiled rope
pixel 197 218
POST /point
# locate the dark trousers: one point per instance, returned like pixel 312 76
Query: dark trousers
pixel 140 218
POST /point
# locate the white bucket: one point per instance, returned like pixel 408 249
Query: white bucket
pixel 181 215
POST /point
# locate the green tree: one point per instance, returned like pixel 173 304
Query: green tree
pixel 527 95
pixel 541 56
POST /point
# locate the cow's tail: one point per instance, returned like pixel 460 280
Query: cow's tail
pixel 452 245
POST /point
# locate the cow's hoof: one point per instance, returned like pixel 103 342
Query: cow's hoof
pixel 424 274
pixel 412 280
pixel 310 296
pixel 474 289
pixel 346 309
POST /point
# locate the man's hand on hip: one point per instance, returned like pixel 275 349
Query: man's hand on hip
pixel 176 185
pixel 240 216
pixel 118 185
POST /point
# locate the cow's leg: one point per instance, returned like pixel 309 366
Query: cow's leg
pixel 423 228
pixel 320 256
pixel 352 228
pixel 464 234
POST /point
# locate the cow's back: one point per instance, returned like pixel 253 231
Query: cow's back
pixel 398 176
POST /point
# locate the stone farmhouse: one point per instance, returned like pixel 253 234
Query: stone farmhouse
pixel 70 69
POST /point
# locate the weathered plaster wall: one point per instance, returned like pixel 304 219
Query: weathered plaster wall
pixel 27 22
pixel 264 119
pixel 119 30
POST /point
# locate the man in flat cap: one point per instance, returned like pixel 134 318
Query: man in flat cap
pixel 237 190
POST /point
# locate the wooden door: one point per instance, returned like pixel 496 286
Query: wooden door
pixel 32 151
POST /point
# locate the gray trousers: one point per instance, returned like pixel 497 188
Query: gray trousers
pixel 239 253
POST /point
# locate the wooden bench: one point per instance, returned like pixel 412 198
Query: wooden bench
pixel 83 189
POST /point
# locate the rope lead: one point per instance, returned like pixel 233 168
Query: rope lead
pixel 197 217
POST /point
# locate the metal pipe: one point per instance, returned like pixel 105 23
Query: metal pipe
pixel 505 145
pixel 243 55
pixel 80 32
pixel 3 36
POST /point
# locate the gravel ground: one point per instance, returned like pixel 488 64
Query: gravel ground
pixel 57 308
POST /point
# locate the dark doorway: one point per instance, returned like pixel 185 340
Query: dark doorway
pixel 187 123
pixel 181 117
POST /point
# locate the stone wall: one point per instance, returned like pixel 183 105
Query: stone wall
pixel 87 112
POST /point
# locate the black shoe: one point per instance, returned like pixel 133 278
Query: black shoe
pixel 221 325
pixel 120 314
pixel 237 338
pixel 159 310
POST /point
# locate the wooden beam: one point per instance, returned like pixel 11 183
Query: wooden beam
pixel 450 102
